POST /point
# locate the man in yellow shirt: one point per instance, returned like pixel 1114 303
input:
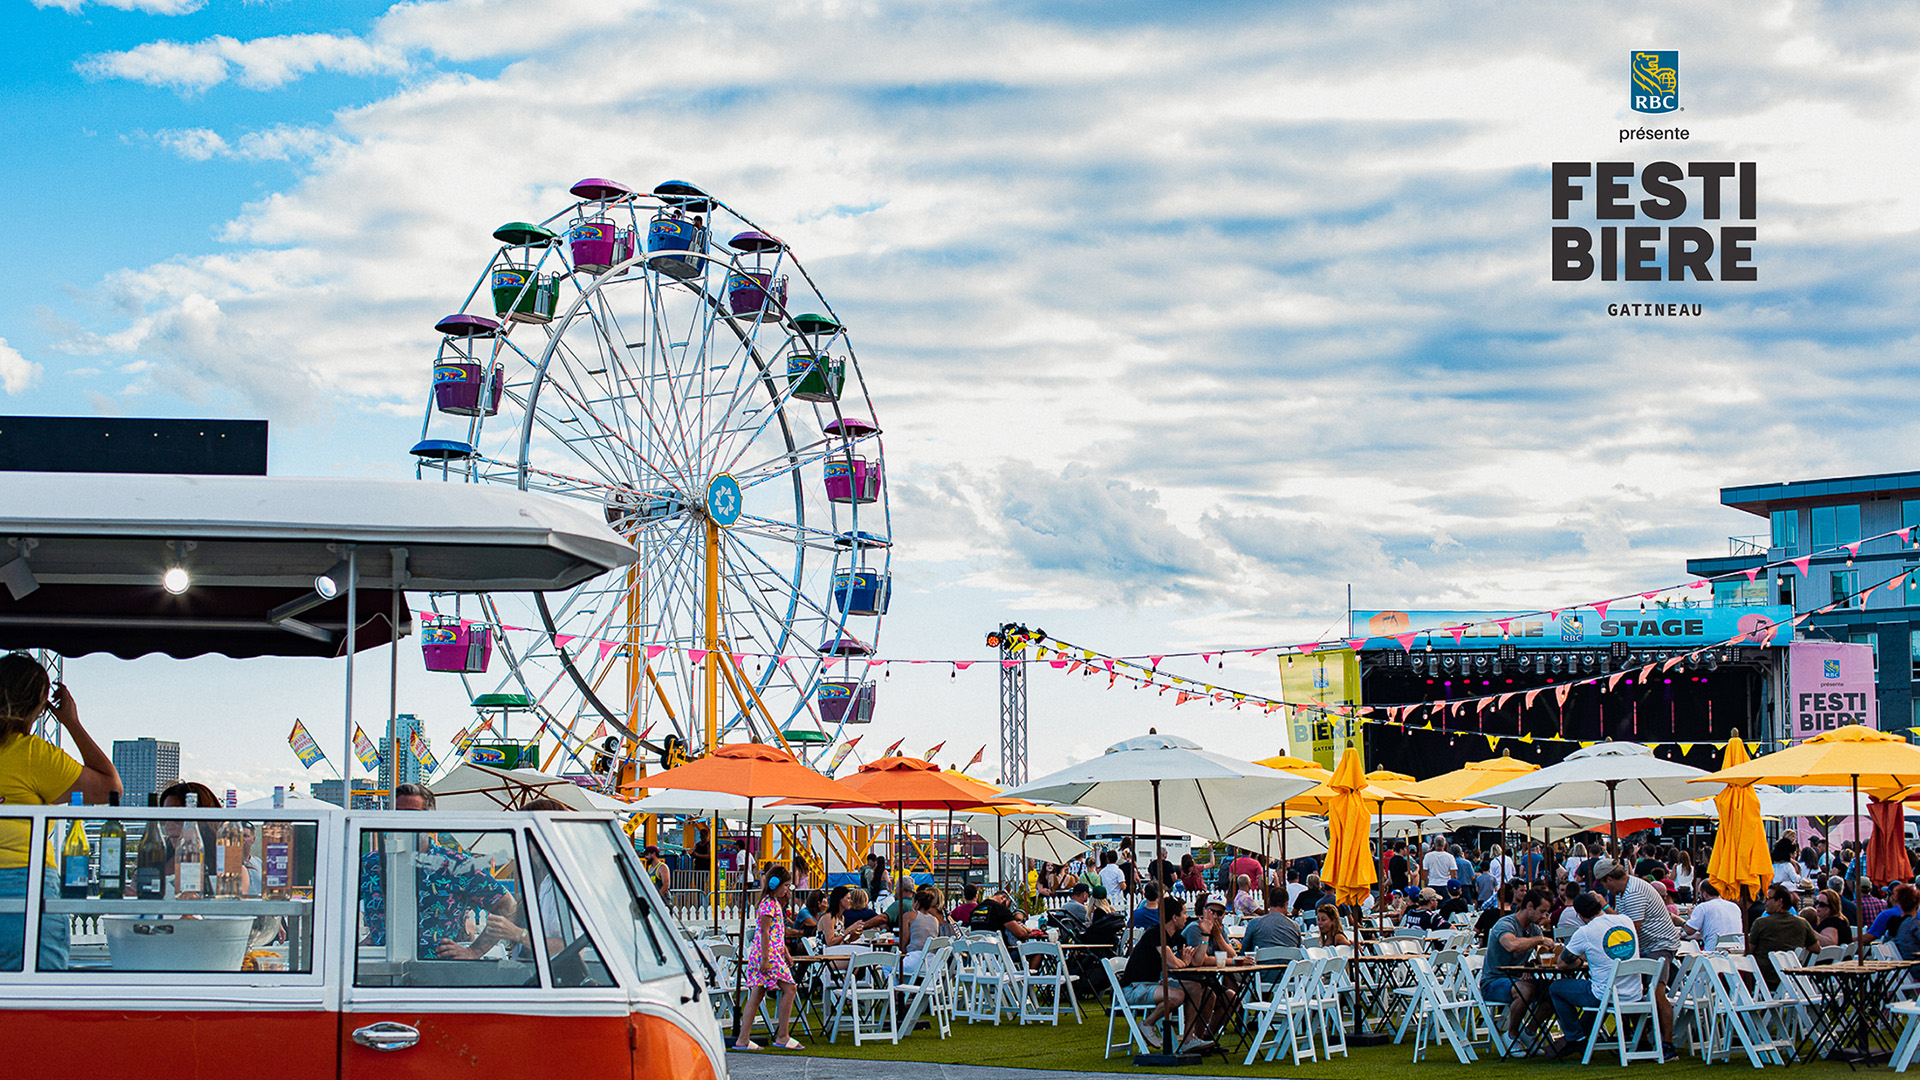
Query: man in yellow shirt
pixel 34 772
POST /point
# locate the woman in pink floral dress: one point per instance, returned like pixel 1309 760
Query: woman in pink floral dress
pixel 766 966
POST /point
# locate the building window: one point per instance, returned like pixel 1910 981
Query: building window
pixel 1910 513
pixel 1845 583
pixel 1739 593
pixel 1786 531
pixel 1786 589
pixel 1835 525
pixel 1913 642
pixel 1871 640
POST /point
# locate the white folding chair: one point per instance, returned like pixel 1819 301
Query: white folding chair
pixel 866 996
pixel 1329 982
pixel 1135 1015
pixel 1903 1050
pixel 929 991
pixel 1744 1019
pixel 1615 1012
pixel 1286 1013
pixel 1048 976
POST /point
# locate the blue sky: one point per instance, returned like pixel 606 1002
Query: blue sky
pixel 1180 320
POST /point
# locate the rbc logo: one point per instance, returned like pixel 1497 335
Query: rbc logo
pixel 1572 629
pixel 1655 83
pixel 1830 669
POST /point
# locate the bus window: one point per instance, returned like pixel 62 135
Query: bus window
pixel 440 909
pixel 571 956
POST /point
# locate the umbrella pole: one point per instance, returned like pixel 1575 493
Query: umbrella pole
pixel 1856 883
pixel 1505 843
pixel 1283 845
pixel 1172 1056
pixel 1613 813
pixel 741 1021
pixel 713 873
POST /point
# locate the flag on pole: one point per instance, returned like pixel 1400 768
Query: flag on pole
pixel 840 755
pixel 978 756
pixel 937 747
pixel 422 753
pixel 364 749
pixel 303 745
pixel 894 749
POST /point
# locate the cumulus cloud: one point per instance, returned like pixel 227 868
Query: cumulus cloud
pixel 17 373
pixel 150 7
pixel 1155 309
pixel 258 64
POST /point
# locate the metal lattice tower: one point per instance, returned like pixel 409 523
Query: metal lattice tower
pixel 1013 719
pixel 1010 639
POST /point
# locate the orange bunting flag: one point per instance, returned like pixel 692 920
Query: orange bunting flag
pixel 1561 692
pixel 1533 693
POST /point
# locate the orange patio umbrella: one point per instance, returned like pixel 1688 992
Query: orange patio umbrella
pixel 1741 865
pixel 906 783
pixel 755 771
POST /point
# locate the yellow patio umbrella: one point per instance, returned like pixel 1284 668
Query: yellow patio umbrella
pixel 1855 756
pixel 1473 778
pixel 1349 862
pixel 1740 863
pixel 1298 767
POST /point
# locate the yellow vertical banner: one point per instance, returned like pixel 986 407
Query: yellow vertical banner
pixel 1329 678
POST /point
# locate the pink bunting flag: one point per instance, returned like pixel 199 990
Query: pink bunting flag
pixel 1561 692
pixel 1614 679
pixel 1257 652
pixel 1533 693
pixel 1458 632
pixel 1009 664
pixel 737 657
pixel 697 656
pixel 1701 584
pixel 1156 660
pixel 1752 573
pixel 1356 643
pixel 1853 549
pixel 1553 615
pixel 655 650
pixel 1904 534
pixel 1896 582
pixel 1108 661
pixel 1207 657
pixel 959 665
pixel 606 647
pixel 1802 562
pixel 1601 607
pixel 1650 595
pixel 1405 640
pixel 561 641
pixel 1505 625
pixel 1057 664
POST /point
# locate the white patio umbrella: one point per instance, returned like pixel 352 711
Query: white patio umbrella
pixel 1303 835
pixel 1613 775
pixel 1034 837
pixel 483 787
pixel 1170 781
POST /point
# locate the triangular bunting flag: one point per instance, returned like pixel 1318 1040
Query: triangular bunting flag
pixel 1356 643
pixel 1405 640
pixel 1459 633
pixel 1802 562
pixel 1493 742
pixel 697 656
pixel 1533 693
pixel 1685 748
pixel 1601 607
pixel 1561 692
pixel 655 650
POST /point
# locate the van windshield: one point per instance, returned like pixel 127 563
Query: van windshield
pixel 614 888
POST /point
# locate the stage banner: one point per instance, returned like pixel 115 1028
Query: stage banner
pixel 1328 678
pixel 1584 628
pixel 1829 685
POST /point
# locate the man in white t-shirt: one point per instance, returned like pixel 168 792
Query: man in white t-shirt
pixel 1603 940
pixel 1715 918
pixel 1438 866
pixel 1111 877
pixel 1294 888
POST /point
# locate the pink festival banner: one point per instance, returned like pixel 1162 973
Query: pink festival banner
pixel 1829 685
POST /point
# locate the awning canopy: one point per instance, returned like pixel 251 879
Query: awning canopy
pixel 84 555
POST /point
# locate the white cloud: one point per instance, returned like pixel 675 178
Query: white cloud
pixel 282 142
pixel 150 7
pixel 17 373
pixel 259 64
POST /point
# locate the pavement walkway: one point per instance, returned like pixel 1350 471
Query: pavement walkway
pixel 765 1066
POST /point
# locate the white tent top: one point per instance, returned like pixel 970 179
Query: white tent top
pixel 293 802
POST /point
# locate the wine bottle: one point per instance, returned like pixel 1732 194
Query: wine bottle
pixel 113 854
pixel 230 860
pixel 150 864
pixel 190 859
pixel 74 857
pixel 276 838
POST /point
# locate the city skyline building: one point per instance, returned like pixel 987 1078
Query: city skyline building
pixel 147 766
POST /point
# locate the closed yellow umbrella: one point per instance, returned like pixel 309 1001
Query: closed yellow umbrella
pixel 1740 864
pixel 1349 863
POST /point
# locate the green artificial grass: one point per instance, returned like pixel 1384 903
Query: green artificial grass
pixel 1076 1048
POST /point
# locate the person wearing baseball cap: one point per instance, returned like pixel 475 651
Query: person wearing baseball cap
pixel 1659 938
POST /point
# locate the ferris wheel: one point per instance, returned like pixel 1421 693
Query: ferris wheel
pixel 661 357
